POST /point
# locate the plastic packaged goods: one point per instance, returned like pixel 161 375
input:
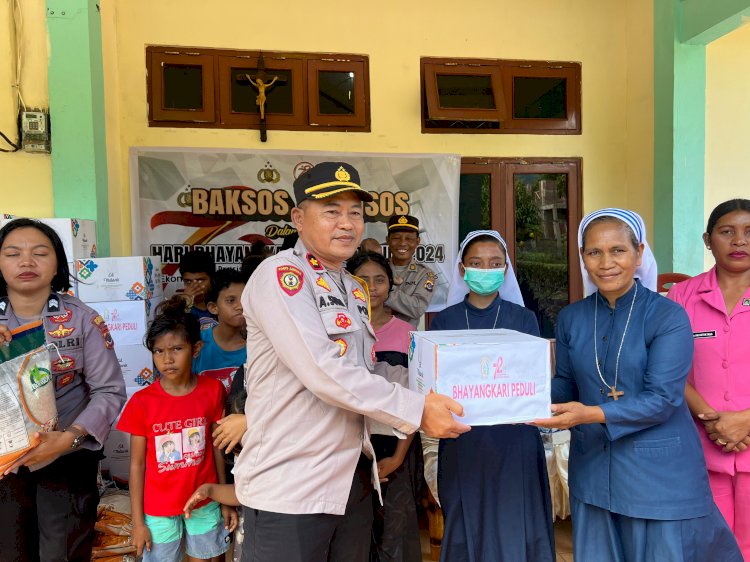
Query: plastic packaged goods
pixel 27 392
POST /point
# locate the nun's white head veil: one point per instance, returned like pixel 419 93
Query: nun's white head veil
pixel 509 291
pixel 646 272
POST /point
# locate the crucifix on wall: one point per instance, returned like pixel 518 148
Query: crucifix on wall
pixel 261 82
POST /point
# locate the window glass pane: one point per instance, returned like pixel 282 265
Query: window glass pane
pixel 539 98
pixel 336 93
pixel 465 91
pixel 542 245
pixel 278 96
pixel 183 86
pixel 473 204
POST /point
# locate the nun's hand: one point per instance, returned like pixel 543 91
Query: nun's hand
pixel 570 414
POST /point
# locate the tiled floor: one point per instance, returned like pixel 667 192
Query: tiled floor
pixel 563 542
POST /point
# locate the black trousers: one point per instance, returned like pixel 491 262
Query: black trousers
pixel 395 529
pixel 315 537
pixel 49 515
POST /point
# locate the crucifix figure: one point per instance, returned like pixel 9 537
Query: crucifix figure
pixel 614 393
pixel 261 86
pixel 261 83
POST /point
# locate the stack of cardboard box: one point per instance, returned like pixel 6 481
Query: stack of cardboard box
pixel 125 291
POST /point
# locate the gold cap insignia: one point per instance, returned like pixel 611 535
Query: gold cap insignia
pixel 402 220
pixel 342 175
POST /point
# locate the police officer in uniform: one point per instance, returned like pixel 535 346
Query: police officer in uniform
pixel 312 381
pixel 413 282
pixel 48 503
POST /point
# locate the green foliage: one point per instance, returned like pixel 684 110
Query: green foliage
pixel 561 183
pixel 543 257
pixel 528 217
pixel 548 283
pixel 485 198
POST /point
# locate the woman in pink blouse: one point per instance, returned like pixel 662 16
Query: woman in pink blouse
pixel 718 389
pixel 396 528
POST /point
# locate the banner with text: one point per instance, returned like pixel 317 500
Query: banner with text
pixel 224 200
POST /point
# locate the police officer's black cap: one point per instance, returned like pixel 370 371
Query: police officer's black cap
pixel 406 223
pixel 327 179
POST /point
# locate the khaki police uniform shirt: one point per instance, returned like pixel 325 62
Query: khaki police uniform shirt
pixel 412 296
pixel 89 386
pixel 310 384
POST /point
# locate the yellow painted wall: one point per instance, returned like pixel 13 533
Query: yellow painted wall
pixel 727 119
pixel 25 179
pixel 611 38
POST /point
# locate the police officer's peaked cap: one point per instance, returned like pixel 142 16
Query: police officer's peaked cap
pixel 327 179
pixel 406 223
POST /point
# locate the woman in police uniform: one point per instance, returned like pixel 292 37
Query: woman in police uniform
pixel 48 498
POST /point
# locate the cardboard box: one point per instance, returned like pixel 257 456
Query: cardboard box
pixel 78 236
pixel 498 376
pixel 118 279
pixel 117 455
pixel 137 366
pixel 127 320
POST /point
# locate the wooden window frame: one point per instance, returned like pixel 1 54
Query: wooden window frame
pixel 218 91
pixel 360 118
pixel 188 57
pixel 571 71
pixel 298 117
pixel 435 111
pixel 502 207
pixel 570 125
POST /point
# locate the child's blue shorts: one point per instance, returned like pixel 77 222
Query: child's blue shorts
pixel 205 535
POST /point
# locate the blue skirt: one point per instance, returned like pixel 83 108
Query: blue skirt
pixel 494 491
pixel 602 536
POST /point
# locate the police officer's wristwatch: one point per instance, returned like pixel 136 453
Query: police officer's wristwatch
pixel 80 436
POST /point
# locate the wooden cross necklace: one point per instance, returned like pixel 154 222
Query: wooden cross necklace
pixel 613 392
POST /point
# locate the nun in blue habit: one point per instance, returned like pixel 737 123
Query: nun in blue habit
pixel 492 481
pixel 638 481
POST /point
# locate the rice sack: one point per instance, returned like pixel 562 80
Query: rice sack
pixel 27 392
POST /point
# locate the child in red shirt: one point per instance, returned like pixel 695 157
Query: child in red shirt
pixel 171 447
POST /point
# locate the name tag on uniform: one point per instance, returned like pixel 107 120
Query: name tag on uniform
pixel 703 335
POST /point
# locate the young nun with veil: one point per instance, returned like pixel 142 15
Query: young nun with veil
pixel 492 481
pixel 638 482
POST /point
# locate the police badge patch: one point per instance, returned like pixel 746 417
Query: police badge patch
pixel 429 285
pixel 342 321
pixel 61 331
pixel 63 363
pixel 359 295
pixel 322 283
pixel 98 321
pixel 64 380
pixel 314 263
pixel 342 346
pixel 290 279
pixel 62 318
